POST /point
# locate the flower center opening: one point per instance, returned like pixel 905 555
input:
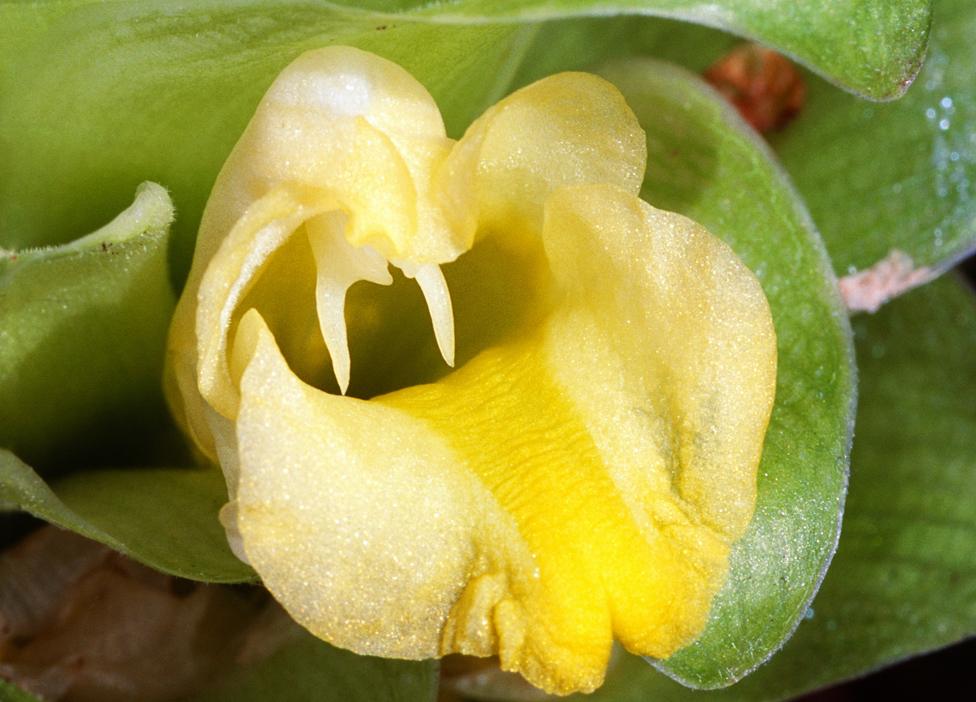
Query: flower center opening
pixel 349 322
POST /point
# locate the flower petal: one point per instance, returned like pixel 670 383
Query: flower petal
pixel 581 481
pixel 692 335
pixel 583 473
pixel 340 129
pixel 365 536
pixel 567 129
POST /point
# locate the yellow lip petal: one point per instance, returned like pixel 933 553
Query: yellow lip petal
pixel 579 478
pixel 560 479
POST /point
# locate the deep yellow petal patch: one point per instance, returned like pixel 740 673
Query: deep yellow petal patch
pixel 579 477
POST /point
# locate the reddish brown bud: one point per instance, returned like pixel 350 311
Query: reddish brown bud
pixel 765 87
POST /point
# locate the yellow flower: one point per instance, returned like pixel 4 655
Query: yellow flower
pixel 582 474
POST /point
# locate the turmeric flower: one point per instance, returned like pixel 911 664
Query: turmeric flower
pixel 579 476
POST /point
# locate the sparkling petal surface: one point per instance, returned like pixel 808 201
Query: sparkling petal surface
pixel 579 478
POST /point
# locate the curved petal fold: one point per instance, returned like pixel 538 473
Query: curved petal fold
pixel 567 129
pixel 689 332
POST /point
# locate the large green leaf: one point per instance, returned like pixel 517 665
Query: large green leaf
pixel 705 163
pixel 82 330
pixel 901 175
pixel 163 517
pixel 309 669
pixel 874 47
pixel 582 43
pixel 904 579
pixel 172 89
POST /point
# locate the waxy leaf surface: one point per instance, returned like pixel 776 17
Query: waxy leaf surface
pixel 899 175
pixel 82 328
pixel 163 517
pixel 873 47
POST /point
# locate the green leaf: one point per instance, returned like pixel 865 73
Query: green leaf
pixel 163 517
pixel 309 669
pixel 874 47
pixel 903 580
pixel 10 693
pixel 171 90
pixel 582 43
pixel 705 163
pixel 82 330
pixel 901 175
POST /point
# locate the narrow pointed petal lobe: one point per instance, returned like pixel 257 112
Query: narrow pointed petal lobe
pixel 339 265
pixel 430 278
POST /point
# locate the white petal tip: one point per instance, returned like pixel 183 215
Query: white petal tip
pixel 331 300
pixel 431 280
pixel 339 265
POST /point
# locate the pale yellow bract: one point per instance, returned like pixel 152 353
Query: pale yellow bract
pixel 583 472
